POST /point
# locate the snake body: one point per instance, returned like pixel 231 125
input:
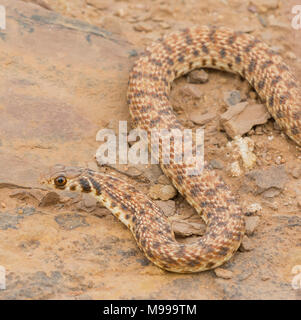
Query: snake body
pixel 149 86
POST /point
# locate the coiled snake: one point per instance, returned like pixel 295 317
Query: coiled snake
pixel 148 91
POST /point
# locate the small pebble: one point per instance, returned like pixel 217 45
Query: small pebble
pixel 162 192
pixel 164 180
pixel 168 207
pixel 201 119
pixel 251 224
pixel 296 172
pixel 198 76
pixel 223 273
pixel 143 27
pixel 253 208
pixel 246 244
pixel 191 90
pixel 164 25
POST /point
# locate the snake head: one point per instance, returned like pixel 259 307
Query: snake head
pixel 62 177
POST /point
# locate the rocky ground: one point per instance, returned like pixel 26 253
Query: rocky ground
pixel 64 76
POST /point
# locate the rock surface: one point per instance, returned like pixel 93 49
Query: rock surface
pixel 63 79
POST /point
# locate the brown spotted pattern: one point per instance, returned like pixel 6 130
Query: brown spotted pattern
pixel 148 91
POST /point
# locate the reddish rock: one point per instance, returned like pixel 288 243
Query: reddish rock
pixel 240 118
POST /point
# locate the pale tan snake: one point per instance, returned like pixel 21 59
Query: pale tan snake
pixel 148 91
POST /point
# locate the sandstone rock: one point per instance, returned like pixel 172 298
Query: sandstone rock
pixel 271 205
pixel 143 26
pixel 164 180
pixel 168 207
pixel 43 198
pixel 276 22
pixel 51 198
pixel 253 208
pixel 162 192
pixel 234 169
pixel 246 244
pixel 152 173
pixel 223 273
pixel 89 201
pixel 270 181
pixel 201 119
pixel 184 228
pixel 70 221
pixel 191 90
pixel 197 76
pixel 42 3
pixel 164 25
pixel 240 118
pixel 263 6
pixel 242 149
pixel 251 224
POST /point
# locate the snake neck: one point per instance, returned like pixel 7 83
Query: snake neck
pixel 152 229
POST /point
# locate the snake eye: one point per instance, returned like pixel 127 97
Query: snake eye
pixel 60 181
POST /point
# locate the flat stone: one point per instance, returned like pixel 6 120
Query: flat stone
pixel 143 26
pixel 162 192
pixel 223 273
pixel 89 201
pixel 168 207
pixel 251 224
pixel 190 89
pixel 198 76
pixel 272 178
pixel 70 221
pixel 50 198
pixel 246 244
pixel 265 5
pixel 185 228
pixel 240 118
pixel 164 180
pixel 201 119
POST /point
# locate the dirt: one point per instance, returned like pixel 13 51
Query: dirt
pixel 64 74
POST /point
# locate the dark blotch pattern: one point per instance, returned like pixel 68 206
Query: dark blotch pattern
pixel 84 183
pixel 205 49
pixel 96 186
pixel 222 53
pixel 238 59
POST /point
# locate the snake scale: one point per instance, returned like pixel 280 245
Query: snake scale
pixel 148 91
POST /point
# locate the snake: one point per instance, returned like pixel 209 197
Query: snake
pixel 149 86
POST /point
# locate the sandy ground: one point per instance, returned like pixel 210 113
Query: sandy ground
pixel 65 73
